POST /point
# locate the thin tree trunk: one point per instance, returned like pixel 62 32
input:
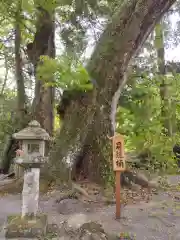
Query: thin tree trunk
pixel 93 121
pixel 164 86
pixel 21 95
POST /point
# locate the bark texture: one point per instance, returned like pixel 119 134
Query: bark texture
pixel 87 124
pixel 21 95
pixel 43 44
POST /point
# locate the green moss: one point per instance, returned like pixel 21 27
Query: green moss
pixel 29 226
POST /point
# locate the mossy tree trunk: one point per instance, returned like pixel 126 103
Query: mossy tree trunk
pixel 90 120
pixel 43 44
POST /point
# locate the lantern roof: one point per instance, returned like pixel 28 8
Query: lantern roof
pixel 32 132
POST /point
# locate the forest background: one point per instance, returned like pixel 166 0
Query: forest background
pixel 39 72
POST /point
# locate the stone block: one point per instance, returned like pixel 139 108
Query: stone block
pixel 28 227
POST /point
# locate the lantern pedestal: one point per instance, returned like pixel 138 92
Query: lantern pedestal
pixel 27 227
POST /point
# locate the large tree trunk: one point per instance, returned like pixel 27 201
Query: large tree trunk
pixel 43 44
pixel 90 121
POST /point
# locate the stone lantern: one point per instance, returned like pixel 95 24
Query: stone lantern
pixel 33 141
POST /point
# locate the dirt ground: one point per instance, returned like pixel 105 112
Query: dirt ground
pixel 157 219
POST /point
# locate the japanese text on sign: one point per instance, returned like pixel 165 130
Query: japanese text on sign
pixel 118 153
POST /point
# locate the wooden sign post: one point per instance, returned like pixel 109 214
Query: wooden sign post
pixel 118 167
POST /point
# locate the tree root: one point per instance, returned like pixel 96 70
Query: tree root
pixel 128 178
pixel 11 186
pixel 74 194
pixel 77 190
pixel 7 176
